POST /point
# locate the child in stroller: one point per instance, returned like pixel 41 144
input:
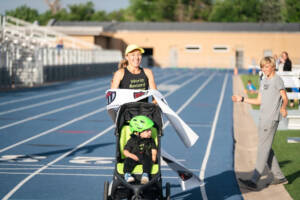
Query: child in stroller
pixel 119 188
pixel 140 148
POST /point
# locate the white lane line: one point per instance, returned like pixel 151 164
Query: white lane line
pixel 184 84
pixel 71 167
pixel 52 100
pixel 57 166
pixel 52 93
pixel 58 127
pixel 54 174
pixel 51 112
pixel 177 77
pixel 3 170
pixel 210 141
pixel 53 129
pixel 63 91
pixel 192 97
pixel 20 184
pixel 64 174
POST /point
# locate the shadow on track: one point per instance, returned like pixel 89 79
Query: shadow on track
pixel 87 149
pixel 227 188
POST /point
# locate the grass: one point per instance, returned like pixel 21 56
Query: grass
pixel 288 155
pixel 255 80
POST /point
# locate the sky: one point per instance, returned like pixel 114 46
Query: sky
pixel 41 6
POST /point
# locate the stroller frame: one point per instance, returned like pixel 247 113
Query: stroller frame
pixel 119 188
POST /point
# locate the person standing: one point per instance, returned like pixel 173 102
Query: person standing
pixel 287 63
pixel 287 66
pixel 273 101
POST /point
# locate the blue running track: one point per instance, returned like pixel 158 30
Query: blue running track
pixel 57 142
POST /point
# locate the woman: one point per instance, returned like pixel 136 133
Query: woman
pixel 130 75
pixel 287 64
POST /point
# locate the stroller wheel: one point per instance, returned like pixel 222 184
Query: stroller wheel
pixel 168 191
pixel 105 191
pixel 136 197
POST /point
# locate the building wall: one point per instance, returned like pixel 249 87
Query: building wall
pixel 169 48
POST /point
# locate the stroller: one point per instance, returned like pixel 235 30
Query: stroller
pixel 118 188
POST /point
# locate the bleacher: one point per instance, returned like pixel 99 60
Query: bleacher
pixel 32 55
pixel 292 80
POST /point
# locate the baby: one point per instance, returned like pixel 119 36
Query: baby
pixel 140 148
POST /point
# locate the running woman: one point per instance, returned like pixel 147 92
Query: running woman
pixel 130 74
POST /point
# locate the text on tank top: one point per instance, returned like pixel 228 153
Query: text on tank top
pixel 134 81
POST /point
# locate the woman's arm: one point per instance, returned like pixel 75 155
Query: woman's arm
pixel 150 77
pixel 285 101
pixel 238 98
pixel 118 76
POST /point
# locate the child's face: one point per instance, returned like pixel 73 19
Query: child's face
pixel 146 134
pixel 268 69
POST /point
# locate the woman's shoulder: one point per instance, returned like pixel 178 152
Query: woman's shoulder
pixel 120 71
pixel 148 72
pixel 118 75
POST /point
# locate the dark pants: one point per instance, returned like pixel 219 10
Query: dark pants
pixel 145 160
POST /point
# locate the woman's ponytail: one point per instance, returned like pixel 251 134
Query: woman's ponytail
pixel 123 64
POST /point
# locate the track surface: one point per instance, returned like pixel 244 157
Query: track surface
pixel 57 142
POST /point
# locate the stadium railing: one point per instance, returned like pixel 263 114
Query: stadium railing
pixel 30 55
pixel 292 80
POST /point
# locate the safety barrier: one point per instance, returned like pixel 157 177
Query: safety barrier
pixel 28 67
pixel 77 71
pixel 292 80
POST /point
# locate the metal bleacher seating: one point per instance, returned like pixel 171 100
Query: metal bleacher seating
pixel 292 80
pixel 29 51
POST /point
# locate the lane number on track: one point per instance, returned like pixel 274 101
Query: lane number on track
pixel 21 158
pixel 92 160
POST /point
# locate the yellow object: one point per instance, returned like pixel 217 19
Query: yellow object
pixel 133 47
pixel 138 169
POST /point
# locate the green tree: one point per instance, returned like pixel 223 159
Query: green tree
pixel 61 15
pixel 169 10
pixel 24 12
pixel 119 15
pixel 81 12
pixel 143 10
pixel 166 10
pixel 293 10
pixel 236 11
pixel 99 16
pixel 45 17
pixel 193 10
pixel 271 11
